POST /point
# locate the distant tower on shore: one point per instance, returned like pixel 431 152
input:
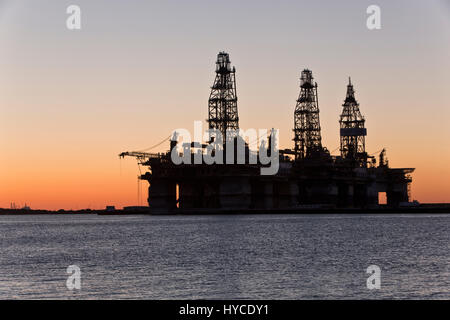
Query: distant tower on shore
pixel 307 136
pixel 222 104
pixel 353 131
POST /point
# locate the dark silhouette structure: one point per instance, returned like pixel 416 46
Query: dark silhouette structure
pixel 307 138
pixel 308 176
pixel 222 103
pixel 353 132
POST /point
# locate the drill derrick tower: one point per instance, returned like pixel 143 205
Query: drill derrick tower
pixel 222 103
pixel 353 132
pixel 307 138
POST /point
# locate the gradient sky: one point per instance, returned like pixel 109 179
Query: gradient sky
pixel 71 101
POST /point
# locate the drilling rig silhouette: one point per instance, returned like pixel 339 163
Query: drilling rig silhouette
pixel 308 176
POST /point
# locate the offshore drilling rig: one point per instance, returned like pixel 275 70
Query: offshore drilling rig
pixel 308 176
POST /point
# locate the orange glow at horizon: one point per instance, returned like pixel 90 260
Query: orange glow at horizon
pixel 94 180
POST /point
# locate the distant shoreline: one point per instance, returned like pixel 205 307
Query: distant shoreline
pixel 420 209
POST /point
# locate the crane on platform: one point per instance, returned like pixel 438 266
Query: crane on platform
pixel 142 156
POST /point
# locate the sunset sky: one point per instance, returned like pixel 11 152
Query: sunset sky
pixel 72 100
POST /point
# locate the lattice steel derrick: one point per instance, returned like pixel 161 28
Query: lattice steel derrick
pixel 307 136
pixel 353 131
pixel 222 104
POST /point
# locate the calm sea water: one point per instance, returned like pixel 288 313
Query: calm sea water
pixel 225 257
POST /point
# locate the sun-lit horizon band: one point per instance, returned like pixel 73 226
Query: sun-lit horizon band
pixel 71 101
